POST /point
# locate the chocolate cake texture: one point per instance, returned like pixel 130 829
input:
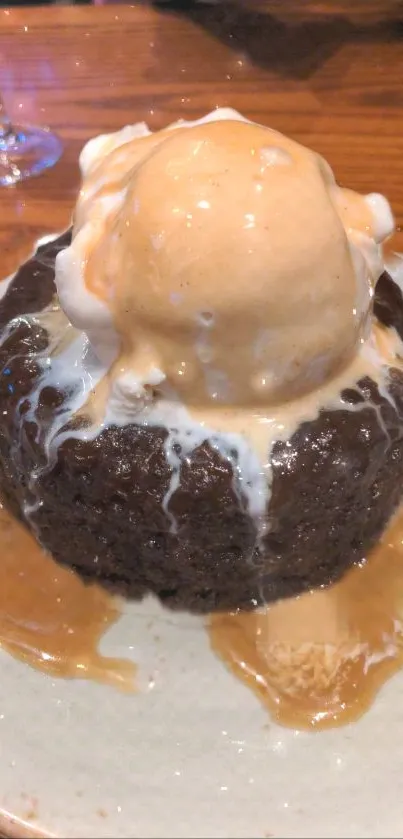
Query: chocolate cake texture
pixel 97 506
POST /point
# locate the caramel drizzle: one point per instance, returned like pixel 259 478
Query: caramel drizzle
pixel 49 618
pixel 318 660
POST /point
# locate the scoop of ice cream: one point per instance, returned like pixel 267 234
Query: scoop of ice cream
pixel 221 258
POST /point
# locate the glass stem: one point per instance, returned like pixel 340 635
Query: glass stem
pixel 6 126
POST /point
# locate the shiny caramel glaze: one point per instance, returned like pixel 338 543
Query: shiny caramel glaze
pixel 224 197
pixel 319 660
pixel 49 618
pixel 316 661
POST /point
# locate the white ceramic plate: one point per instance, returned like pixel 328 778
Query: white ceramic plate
pixel 192 754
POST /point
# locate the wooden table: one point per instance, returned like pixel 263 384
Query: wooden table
pixel 329 82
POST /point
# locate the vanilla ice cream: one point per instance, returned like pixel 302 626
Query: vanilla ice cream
pixel 220 262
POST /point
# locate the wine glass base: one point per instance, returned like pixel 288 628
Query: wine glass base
pixel 27 151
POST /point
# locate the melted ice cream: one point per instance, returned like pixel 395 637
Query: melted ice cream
pixel 220 285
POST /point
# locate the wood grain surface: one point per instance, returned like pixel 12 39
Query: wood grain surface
pixel 329 81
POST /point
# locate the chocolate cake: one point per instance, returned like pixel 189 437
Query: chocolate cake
pixel 334 487
pixel 102 499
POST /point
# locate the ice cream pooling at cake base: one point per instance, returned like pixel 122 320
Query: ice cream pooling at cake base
pixel 220 261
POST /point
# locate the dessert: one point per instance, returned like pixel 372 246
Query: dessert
pixel 201 385
pixel 49 618
pixel 318 660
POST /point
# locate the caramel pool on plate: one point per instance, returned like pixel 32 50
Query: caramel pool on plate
pixel 318 661
pixel 48 617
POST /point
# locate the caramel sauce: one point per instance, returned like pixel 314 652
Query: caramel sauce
pixel 318 661
pixel 315 661
pixel 49 618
